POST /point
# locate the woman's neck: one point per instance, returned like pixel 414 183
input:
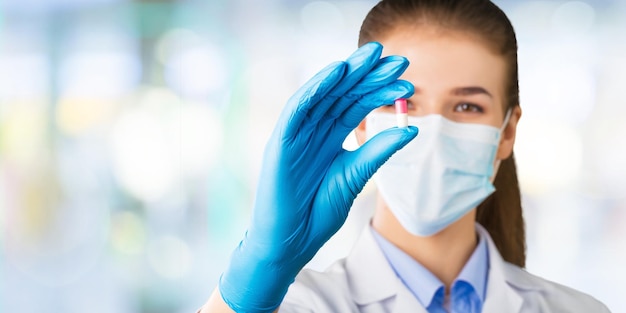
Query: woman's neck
pixel 443 254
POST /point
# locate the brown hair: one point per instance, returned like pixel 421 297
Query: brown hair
pixel 500 213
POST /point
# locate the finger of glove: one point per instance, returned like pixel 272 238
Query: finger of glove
pixel 358 65
pixel 386 71
pixel 385 95
pixel 366 160
pixel 308 96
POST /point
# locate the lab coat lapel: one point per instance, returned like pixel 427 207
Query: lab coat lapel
pixel 406 302
pixel 373 280
pixel 370 276
pixel 501 296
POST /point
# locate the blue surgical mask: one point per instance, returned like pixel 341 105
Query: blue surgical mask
pixel 439 176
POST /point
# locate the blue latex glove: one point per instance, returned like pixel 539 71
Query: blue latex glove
pixel 308 181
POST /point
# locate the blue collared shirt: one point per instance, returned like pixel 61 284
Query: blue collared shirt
pixel 468 289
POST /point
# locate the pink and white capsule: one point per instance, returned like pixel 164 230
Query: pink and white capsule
pixel 402 116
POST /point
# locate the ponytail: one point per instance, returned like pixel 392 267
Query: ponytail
pixel 501 215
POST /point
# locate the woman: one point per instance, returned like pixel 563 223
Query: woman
pixel 443 236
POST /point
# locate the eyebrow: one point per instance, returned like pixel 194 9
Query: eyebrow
pixel 468 91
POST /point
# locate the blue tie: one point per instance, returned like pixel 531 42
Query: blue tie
pixel 463 300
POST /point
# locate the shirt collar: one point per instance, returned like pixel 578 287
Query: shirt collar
pixel 422 283
pixel 476 270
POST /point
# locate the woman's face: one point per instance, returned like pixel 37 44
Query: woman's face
pixel 454 75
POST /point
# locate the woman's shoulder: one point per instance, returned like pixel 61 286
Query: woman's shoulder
pixel 540 294
pixel 335 277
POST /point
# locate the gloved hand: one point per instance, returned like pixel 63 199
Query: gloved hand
pixel 308 181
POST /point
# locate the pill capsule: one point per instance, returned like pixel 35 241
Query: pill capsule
pixel 402 116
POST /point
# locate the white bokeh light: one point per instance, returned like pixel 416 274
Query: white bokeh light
pixel 28 77
pixel 194 67
pixel 99 74
pixel 532 18
pixel 559 91
pixel 549 156
pixel 572 18
pixel 169 256
pixel 143 162
pixel 607 154
pixel 201 137
pixel 322 18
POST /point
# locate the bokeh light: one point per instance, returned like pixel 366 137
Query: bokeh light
pixel 201 138
pixel 549 155
pixel 169 256
pixel 29 76
pixel 144 161
pixel 322 18
pixel 194 67
pixel 573 18
pixel 128 233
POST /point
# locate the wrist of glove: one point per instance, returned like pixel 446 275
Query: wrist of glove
pixel 267 277
pixel 308 181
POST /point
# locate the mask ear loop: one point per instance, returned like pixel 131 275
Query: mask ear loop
pixel 496 165
pixel 506 119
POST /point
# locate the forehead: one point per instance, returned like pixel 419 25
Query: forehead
pixel 447 59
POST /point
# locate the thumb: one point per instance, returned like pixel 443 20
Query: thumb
pixel 348 176
pixel 375 152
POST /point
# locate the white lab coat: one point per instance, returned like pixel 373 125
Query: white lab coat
pixel 365 282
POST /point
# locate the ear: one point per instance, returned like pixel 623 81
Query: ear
pixel 359 131
pixel 508 134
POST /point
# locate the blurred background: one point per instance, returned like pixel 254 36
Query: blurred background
pixel 131 134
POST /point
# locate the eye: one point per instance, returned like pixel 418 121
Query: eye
pixel 468 107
